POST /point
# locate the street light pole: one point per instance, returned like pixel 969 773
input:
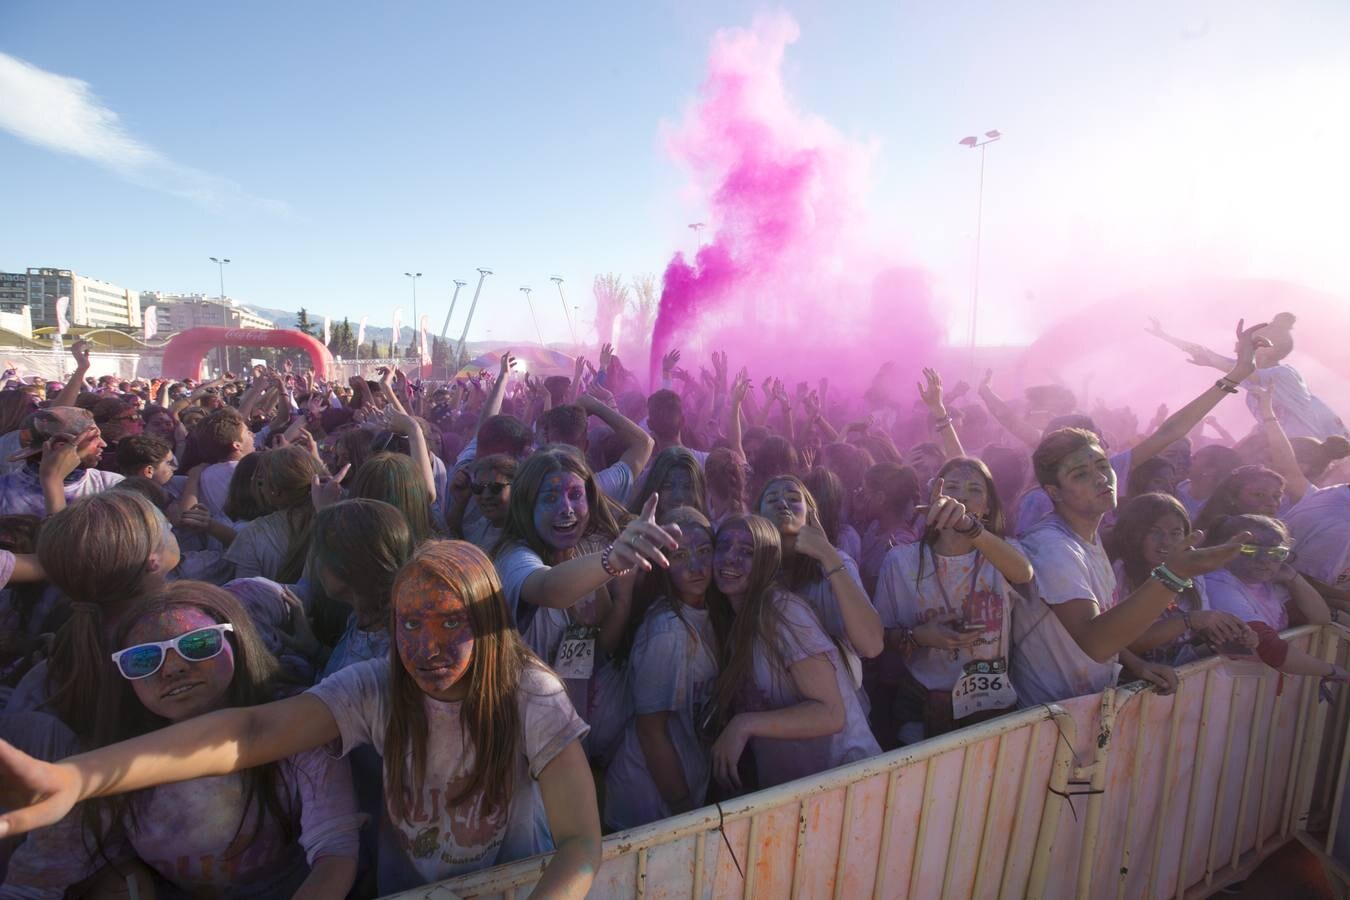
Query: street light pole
pixel 414 278
pixel 459 351
pixel 537 330
pixel 446 327
pixel 570 327
pixel 973 142
pixel 221 263
pixel 697 227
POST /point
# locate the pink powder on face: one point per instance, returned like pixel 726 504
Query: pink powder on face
pixel 789 284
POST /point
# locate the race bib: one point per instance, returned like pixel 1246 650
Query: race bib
pixel 576 653
pixel 985 686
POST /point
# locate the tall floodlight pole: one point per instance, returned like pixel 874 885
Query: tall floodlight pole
pixel 414 276
pixel 973 142
pixel 446 327
pixel 537 330
pixel 459 352
pixel 221 263
pixel 570 327
pixel 697 227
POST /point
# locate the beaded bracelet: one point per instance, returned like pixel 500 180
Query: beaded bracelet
pixel 1170 580
pixel 605 563
pixel 974 531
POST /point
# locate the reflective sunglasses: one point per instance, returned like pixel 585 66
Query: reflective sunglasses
pixel 144 660
pixel 1279 554
pixel 492 487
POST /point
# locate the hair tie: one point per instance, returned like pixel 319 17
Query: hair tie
pixel 86 607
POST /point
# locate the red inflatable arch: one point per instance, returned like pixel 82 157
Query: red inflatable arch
pixel 186 351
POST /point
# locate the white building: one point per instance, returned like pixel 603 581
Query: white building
pixel 179 312
pixel 93 303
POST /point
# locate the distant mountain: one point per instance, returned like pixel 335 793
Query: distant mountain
pixel 285 319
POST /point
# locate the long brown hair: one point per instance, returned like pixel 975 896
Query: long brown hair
pixel 284 479
pixel 489 715
pixel 257 680
pixel 657 584
pixel 758 619
pixel 798 569
pixel 395 479
pixel 525 487
pixel 671 459
pixel 113 534
pixel 993 520
pixel 362 543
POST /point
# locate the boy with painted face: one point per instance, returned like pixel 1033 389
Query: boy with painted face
pixel 482 757
pixel 1069 633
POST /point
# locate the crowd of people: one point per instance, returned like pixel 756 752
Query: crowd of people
pixel 272 635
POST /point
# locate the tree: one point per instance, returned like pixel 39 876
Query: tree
pixel 344 341
pixel 303 324
pixel 611 297
pixel 646 301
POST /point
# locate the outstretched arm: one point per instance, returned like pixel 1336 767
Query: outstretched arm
pixel 1180 423
pixel 69 393
pixel 1003 414
pixel 931 393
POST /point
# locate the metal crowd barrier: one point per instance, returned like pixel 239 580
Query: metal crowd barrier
pixel 1126 794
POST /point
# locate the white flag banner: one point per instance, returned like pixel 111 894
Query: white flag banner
pixel 361 332
pixel 150 322
pixel 327 332
pixel 62 323
pixel 398 328
pixel 426 349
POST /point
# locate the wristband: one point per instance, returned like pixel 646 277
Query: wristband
pixel 1226 386
pixel 1170 580
pixel 975 530
pixel 838 568
pixel 1186 618
pixel 605 563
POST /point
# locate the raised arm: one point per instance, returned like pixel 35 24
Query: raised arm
pixel 1282 458
pixel 738 392
pixel 1180 423
pixel 931 393
pixel 217 743
pixel 406 425
pixel 69 393
pixel 638 444
pixel 862 625
pixel 1199 354
pixel 1003 414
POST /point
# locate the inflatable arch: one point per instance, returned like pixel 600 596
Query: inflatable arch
pixel 186 351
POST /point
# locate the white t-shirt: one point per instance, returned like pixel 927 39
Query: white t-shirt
pixel 820 596
pixel 967 585
pixel 213 487
pixel 21 491
pixel 1249 602
pixel 1047 663
pixel 779 760
pixel 1301 414
pixel 671 669
pixel 1320 525
pixel 616 482
pixel 436 842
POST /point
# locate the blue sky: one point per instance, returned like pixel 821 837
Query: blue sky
pixel 327 147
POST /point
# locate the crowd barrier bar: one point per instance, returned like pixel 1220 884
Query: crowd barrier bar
pixel 1128 792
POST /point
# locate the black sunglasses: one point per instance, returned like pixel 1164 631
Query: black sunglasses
pixel 494 488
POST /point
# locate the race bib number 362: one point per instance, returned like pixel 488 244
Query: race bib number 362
pixel 576 653
pixel 984 686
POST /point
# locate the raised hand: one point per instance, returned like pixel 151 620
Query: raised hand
pixel 643 543
pixel 324 490
pixel 740 386
pixel 1162 677
pixel 987 382
pixel 606 356
pixel 930 392
pixel 719 364
pixel 80 350
pixel 508 363
pixel 61 454
pixel 669 362
pixel 1247 343
pixel 813 542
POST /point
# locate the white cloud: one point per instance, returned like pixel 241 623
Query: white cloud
pixel 62 114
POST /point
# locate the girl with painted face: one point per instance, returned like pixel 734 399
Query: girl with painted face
pixel 1260 588
pixel 662 766
pixel 103 552
pixel 815 570
pixel 482 757
pixel 676 476
pixel 1248 490
pixel 783 689
pixel 561 557
pixel 1148 529
pixel 288 828
pixel 946 603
